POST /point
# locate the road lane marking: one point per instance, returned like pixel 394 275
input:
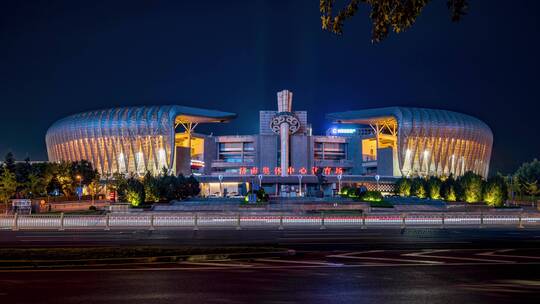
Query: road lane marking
pixel 216 264
pixel 260 267
pixel 360 252
pixel 299 262
pixel 495 254
pixel 383 259
pixel 427 254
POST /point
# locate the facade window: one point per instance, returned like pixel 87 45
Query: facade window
pixel 236 152
pixel 330 151
pixel 249 146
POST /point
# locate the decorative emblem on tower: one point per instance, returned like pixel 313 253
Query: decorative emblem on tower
pixel 289 118
pixel 284 123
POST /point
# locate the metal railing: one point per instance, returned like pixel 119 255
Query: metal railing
pixel 268 221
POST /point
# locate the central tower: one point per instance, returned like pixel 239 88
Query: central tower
pixel 284 123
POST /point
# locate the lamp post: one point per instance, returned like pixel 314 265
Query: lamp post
pixel 339 183
pixel 79 178
pixel 300 185
pixel 220 177
pixel 260 177
pixel 377 177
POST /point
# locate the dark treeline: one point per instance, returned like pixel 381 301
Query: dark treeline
pixel 153 189
pixel 522 185
pixel 469 187
pixel 43 179
pixel 30 180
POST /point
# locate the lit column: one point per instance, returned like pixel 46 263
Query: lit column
pixel 284 123
pixel 284 137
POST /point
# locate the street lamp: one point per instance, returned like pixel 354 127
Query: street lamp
pixel 79 178
pixel 377 177
pixel 220 177
pixel 339 183
pixel 300 185
pixel 260 177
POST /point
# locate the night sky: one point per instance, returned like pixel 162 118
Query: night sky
pixel 62 57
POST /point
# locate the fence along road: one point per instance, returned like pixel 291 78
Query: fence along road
pixel 239 221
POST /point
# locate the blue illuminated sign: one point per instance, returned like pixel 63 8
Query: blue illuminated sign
pixel 343 131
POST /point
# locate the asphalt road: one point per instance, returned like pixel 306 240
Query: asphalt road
pixel 330 266
pixel 299 239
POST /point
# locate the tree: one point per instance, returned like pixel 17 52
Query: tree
pixel 65 179
pixel 527 175
pixel 9 162
pixel 168 186
pixel 403 187
pixel 514 187
pixel 471 185
pixel 448 189
pixel 118 184
pixel 22 173
pixel 385 15
pixel 151 188
pixel 321 180
pixel 495 191
pixel 135 192
pixel 194 186
pixel 95 187
pixel 532 188
pixel 434 187
pixel 8 186
pixel 35 185
pixel 53 185
pixel 84 169
pixel 418 188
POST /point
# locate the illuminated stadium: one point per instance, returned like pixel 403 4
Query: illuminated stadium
pixel 284 157
pixel 425 142
pixel 131 139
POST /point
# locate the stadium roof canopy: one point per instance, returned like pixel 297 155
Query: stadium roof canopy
pixel 410 115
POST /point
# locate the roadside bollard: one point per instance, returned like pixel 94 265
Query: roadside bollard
pixel 107 218
pixel 481 219
pixel 442 220
pixel 280 223
pixel 152 222
pixel 520 223
pixel 322 222
pixel 15 222
pixel 61 221
pixel 403 221
pixel 196 222
pixel 364 221
pixel 238 227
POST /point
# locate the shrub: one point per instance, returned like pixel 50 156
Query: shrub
pixel 371 196
pixel 194 186
pixel 448 189
pixel 345 190
pixel 418 188
pixel 434 187
pixel 471 187
pixel 262 196
pixel 151 188
pixel 495 191
pixel 403 187
pixel 135 192
pixel 451 195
